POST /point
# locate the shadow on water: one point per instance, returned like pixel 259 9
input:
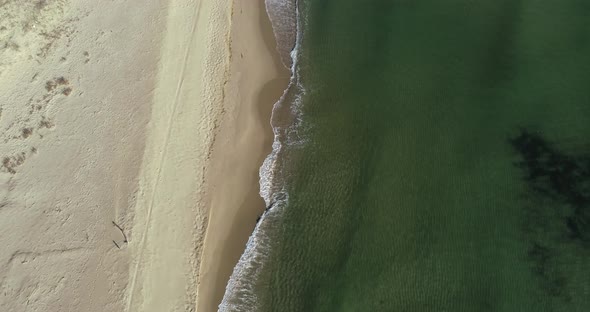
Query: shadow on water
pixel 559 217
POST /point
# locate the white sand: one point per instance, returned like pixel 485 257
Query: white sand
pixel 142 113
pixel 76 89
pixel 170 213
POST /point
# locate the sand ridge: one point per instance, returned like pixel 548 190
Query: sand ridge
pixel 170 215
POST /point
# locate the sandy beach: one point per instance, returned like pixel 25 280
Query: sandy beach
pixel 257 80
pixel 130 149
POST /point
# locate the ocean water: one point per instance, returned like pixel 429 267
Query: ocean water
pixel 428 156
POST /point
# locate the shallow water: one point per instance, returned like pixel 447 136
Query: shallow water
pixel 430 156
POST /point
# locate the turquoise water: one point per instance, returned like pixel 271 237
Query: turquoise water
pixel 438 160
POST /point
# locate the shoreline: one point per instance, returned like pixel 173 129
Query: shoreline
pixel 257 81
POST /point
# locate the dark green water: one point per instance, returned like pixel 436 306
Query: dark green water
pixel 446 164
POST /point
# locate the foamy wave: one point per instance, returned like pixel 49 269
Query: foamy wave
pixel 284 25
pixel 241 293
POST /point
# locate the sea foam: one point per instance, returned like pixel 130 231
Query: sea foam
pixel 243 289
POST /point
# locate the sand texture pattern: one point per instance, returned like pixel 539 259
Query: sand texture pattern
pixel 131 137
pixel 171 215
pixel 76 95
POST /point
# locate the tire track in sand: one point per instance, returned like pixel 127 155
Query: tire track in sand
pixel 179 86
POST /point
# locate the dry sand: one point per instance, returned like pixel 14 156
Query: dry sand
pixel 76 89
pixel 148 116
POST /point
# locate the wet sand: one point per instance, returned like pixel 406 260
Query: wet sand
pixel 257 80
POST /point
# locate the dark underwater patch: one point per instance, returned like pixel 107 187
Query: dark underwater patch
pixel 565 179
pixel 558 213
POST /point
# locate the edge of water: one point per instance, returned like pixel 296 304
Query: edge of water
pixel 240 293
